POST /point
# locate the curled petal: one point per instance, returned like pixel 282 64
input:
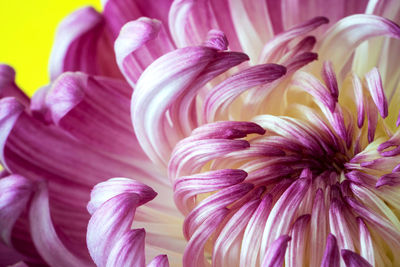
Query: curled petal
pixel 221 96
pixel 375 87
pixel 81 45
pixel 104 191
pixel 352 259
pixel 159 261
pixel 349 32
pixel 186 188
pixel 274 49
pixel 8 86
pixel 128 250
pixel 331 256
pixel 194 251
pixel 10 111
pixel 108 224
pixel 139 43
pixel 390 179
pixel 175 88
pixel 275 255
pixel 44 236
pixel 15 191
pixel 283 213
pixel 119 12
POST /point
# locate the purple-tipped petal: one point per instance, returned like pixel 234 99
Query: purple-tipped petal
pixel 227 245
pixel 275 48
pixel 283 213
pixel 108 224
pixel 297 247
pixel 331 256
pixel 10 111
pixel 221 96
pixel 367 248
pixel 174 90
pixel 8 86
pixel 128 250
pixel 119 12
pixel 352 259
pixel 390 179
pixel 329 76
pixel 375 87
pixel 253 233
pixel 44 235
pixel 275 255
pixel 159 261
pixel 139 43
pixel 186 188
pixel 351 31
pixel 82 45
pixel 15 191
pixel 212 204
pixel 194 251
pixel 359 99
pixel 115 186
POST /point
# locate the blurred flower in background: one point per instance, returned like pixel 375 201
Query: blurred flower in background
pixel 190 133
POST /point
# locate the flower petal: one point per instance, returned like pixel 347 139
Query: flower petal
pixel 352 259
pixel 221 96
pixel 45 238
pixel 349 32
pixel 139 43
pixel 128 250
pixel 331 256
pixel 15 191
pixel 8 86
pixel 156 133
pixel 159 261
pixel 118 12
pixel 82 45
pixel 275 255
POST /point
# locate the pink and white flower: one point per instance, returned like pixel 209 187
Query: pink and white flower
pixel 208 133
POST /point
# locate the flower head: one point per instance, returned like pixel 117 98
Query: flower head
pixel 197 133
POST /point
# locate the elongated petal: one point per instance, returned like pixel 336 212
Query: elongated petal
pixel 349 32
pixel 115 186
pixel 119 12
pixel 10 110
pixel 331 256
pixel 367 249
pixel 352 259
pixel 275 48
pixel 253 233
pixel 45 238
pixel 227 246
pixel 128 250
pixel 109 224
pixel 282 213
pixel 8 86
pixel 81 45
pixel 15 191
pixel 139 43
pixel 186 188
pixel 375 87
pixel 194 252
pixel 297 246
pixel 212 204
pixel 275 255
pixel 181 79
pixel 221 96
pixel 190 22
pixel 159 261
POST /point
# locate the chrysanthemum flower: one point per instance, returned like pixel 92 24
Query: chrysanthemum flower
pixel 208 133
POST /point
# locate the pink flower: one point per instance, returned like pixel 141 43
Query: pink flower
pixel 279 147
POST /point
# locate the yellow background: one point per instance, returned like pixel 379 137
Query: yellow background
pixel 27 30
